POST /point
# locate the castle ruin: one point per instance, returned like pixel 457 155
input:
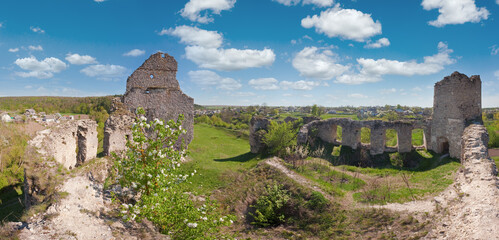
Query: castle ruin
pixel 154 87
pixel 457 103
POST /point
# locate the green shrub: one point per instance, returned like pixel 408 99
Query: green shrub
pixel 151 168
pixel 269 207
pixel 317 201
pixel 279 137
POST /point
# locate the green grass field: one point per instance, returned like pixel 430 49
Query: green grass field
pixel 214 151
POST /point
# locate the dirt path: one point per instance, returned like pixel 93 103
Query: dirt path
pixel 277 163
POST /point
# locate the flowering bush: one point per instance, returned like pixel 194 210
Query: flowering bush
pixel 151 170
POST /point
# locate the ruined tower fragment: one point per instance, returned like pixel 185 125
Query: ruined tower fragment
pixel 154 87
pixel 457 102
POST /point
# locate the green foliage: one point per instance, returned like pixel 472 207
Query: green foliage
pixel 317 201
pixel 417 137
pixel 151 169
pixel 365 135
pixel 279 137
pixel 391 138
pixel 316 110
pixel 49 105
pixel 269 207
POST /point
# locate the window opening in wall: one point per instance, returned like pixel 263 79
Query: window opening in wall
pixel 152 76
pixel 339 130
pixel 148 91
pixel 417 137
pixel 365 135
pixel 391 138
pixel 443 145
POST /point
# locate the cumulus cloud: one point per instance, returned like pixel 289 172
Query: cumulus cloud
pixel 264 83
pixel 372 70
pixel 229 59
pixel 37 29
pixel 193 9
pixel 314 63
pixel 299 85
pixel 344 23
pixel 319 3
pixel 134 53
pixel 211 79
pixel 104 71
pixel 455 11
pixel 496 73
pixel 13 50
pixel 40 69
pixel 357 95
pixel 204 49
pixel 1 24
pixel 388 91
pixel 78 59
pixel 99 1
pixel 35 48
pixel 195 36
pixel 382 42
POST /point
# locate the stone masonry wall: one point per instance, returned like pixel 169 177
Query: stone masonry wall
pixel 326 130
pixel 258 127
pixel 154 87
pixel 71 143
pixel 457 101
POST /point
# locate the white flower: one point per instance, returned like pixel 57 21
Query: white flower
pixel 231 222
pixel 125 206
pixel 185 220
pixel 178 164
pixel 192 225
pixel 221 219
pixel 204 218
pixel 180 127
pixel 142 118
pixel 149 175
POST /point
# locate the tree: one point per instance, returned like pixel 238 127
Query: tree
pixel 279 137
pixel 151 170
pixel 316 110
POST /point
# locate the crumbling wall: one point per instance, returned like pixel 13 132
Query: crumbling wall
pixel 70 143
pixel 325 130
pixel 117 128
pixel 456 102
pixel 258 128
pixel 154 87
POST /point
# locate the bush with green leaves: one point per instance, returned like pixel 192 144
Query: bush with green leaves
pixel 269 207
pixel 279 137
pixel 317 201
pixel 150 169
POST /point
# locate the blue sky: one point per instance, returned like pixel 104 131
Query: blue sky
pixel 247 52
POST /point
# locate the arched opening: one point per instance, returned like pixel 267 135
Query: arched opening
pixel 365 135
pixel 152 76
pixel 339 130
pixel 391 138
pixel 417 137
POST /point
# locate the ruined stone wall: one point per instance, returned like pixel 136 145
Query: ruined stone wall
pixel 258 127
pixel 71 143
pixel 117 130
pixel 457 101
pixel 154 87
pixel 326 130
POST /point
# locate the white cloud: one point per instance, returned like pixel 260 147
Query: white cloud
pixel 382 42
pixel 13 50
pixel 104 72
pixel 299 85
pixel 357 95
pixel 455 11
pixel 37 29
pixel 313 63
pixel 229 59
pixel 35 48
pixel 496 73
pixel 345 23
pixel 242 94
pixel 319 3
pixel 497 1
pixel 372 70
pixel 134 53
pixel 204 50
pixel 40 69
pixel 264 83
pixel 195 36
pixel 1 24
pixel 388 91
pixel 99 1
pixel 211 79
pixel 78 59
pixel 417 89
pixel 495 49
pixel 193 9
